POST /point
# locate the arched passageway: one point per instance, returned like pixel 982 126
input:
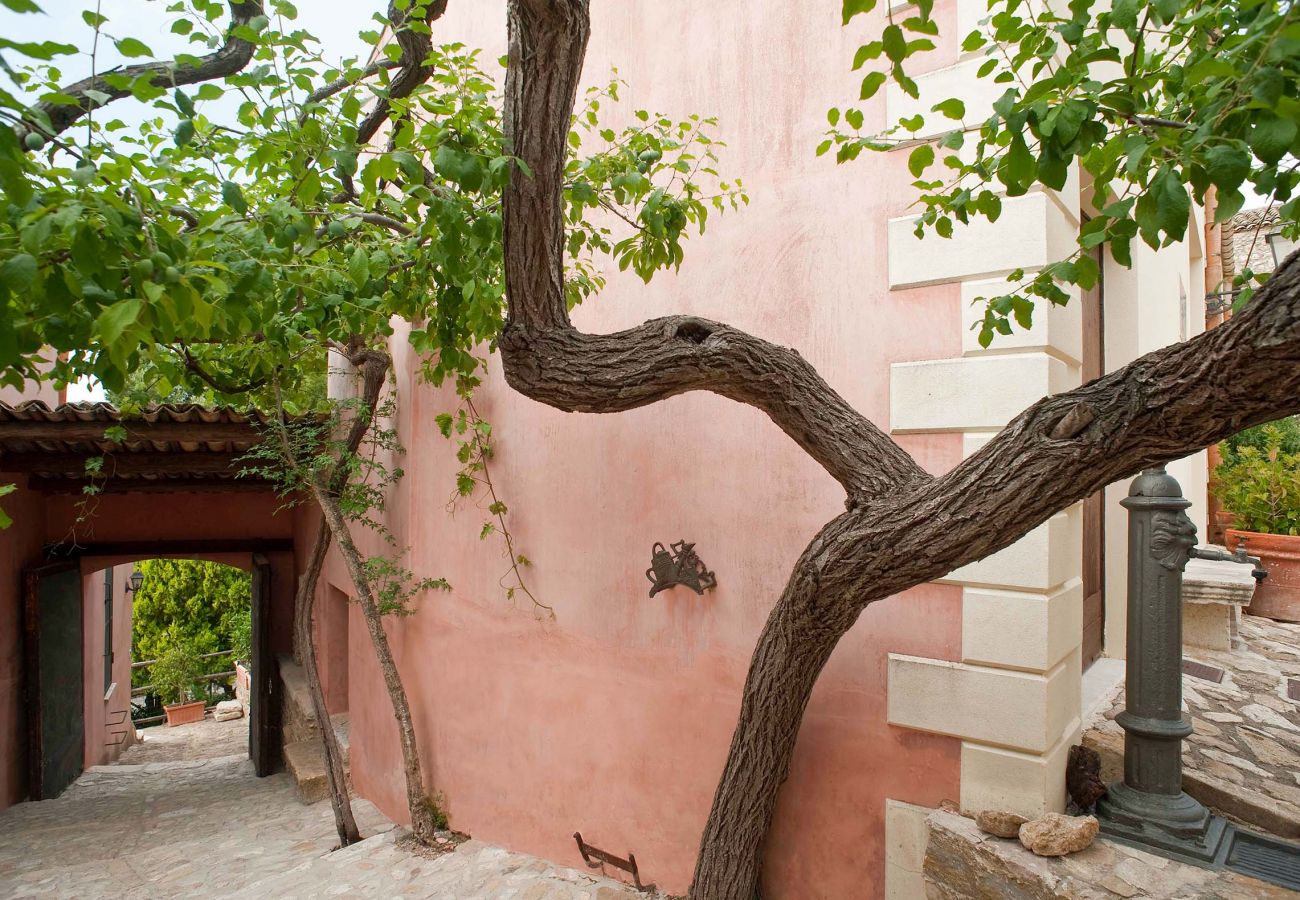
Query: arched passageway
pixel 167 484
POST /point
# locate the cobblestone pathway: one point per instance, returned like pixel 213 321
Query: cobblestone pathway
pixel 208 828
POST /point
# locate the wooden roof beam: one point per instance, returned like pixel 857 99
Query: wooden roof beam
pixel 33 430
pixel 117 464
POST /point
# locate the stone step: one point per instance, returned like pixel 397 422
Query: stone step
pixel 297 711
pixel 305 761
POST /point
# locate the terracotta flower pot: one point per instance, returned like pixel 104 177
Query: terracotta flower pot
pixel 1278 595
pixel 184 713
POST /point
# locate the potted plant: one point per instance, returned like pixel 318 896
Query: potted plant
pixel 1259 482
pixel 176 675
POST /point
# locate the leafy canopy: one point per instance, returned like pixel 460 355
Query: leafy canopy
pixel 245 227
pixel 1156 103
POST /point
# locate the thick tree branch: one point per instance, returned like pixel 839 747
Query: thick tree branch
pixel 416 46
pixel 601 373
pixel 545 358
pixel 325 91
pixel 232 56
pixel 196 368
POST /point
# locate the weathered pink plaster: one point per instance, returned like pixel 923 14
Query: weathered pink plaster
pixel 614 717
pixel 18 545
pixel 106 715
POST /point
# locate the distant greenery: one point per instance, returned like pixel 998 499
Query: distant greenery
pixel 1260 482
pixel 1258 437
pixel 204 605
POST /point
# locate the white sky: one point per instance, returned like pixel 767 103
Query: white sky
pixel 334 23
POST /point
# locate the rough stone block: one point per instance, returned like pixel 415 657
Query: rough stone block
pixel 305 761
pixel 227 710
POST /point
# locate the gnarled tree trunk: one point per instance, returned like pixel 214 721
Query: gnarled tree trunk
pixel 304 605
pixel 902 526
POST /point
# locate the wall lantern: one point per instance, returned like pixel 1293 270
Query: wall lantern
pixel 133 583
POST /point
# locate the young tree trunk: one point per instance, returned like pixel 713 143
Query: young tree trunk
pixel 304 605
pixel 417 799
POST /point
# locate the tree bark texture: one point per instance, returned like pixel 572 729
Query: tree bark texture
pixel 901 527
pixel 228 59
pixel 417 799
pixel 374 366
pixel 303 611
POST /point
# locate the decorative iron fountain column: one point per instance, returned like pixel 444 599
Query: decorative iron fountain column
pixel 1149 806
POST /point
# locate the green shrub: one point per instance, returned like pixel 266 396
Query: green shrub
pixel 241 636
pixel 177 672
pixel 201 603
pixel 1260 485
pixel 1256 436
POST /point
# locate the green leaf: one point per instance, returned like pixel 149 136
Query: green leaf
pixel 867 52
pixel 1227 165
pixel 116 319
pixel 233 196
pixel 359 267
pixel 871 84
pixel 854 118
pixel 1272 137
pixel 130 47
pixel 857 7
pixel 952 108
pixel 895 44
pixel 920 158
pixel 18 273
pixel 93 19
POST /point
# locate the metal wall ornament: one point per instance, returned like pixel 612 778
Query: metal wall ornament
pixel 681 566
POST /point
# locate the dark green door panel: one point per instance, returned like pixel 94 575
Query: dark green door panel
pixel 55 679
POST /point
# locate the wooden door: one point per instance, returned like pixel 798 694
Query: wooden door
pixel 54 678
pixel 1094 508
pixel 263 734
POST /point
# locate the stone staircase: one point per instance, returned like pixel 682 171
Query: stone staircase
pixel 304 757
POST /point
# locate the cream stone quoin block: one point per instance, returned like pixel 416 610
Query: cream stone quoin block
pixel 905 839
pixel 1057 330
pixel 960 81
pixel 967 393
pixel 1042 560
pixel 1024 711
pixel 1031 232
pixel 1026 783
pixel 1021 630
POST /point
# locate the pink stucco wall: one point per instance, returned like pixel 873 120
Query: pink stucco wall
pixel 614 717
pixel 106 714
pixel 19 544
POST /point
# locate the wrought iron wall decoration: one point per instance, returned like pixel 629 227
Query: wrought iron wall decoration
pixel 681 566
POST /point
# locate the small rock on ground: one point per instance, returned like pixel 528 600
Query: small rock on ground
pixel 1057 835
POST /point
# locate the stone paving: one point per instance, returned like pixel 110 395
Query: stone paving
pixel 199 740
pixel 962 863
pixel 1243 757
pixel 167 823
